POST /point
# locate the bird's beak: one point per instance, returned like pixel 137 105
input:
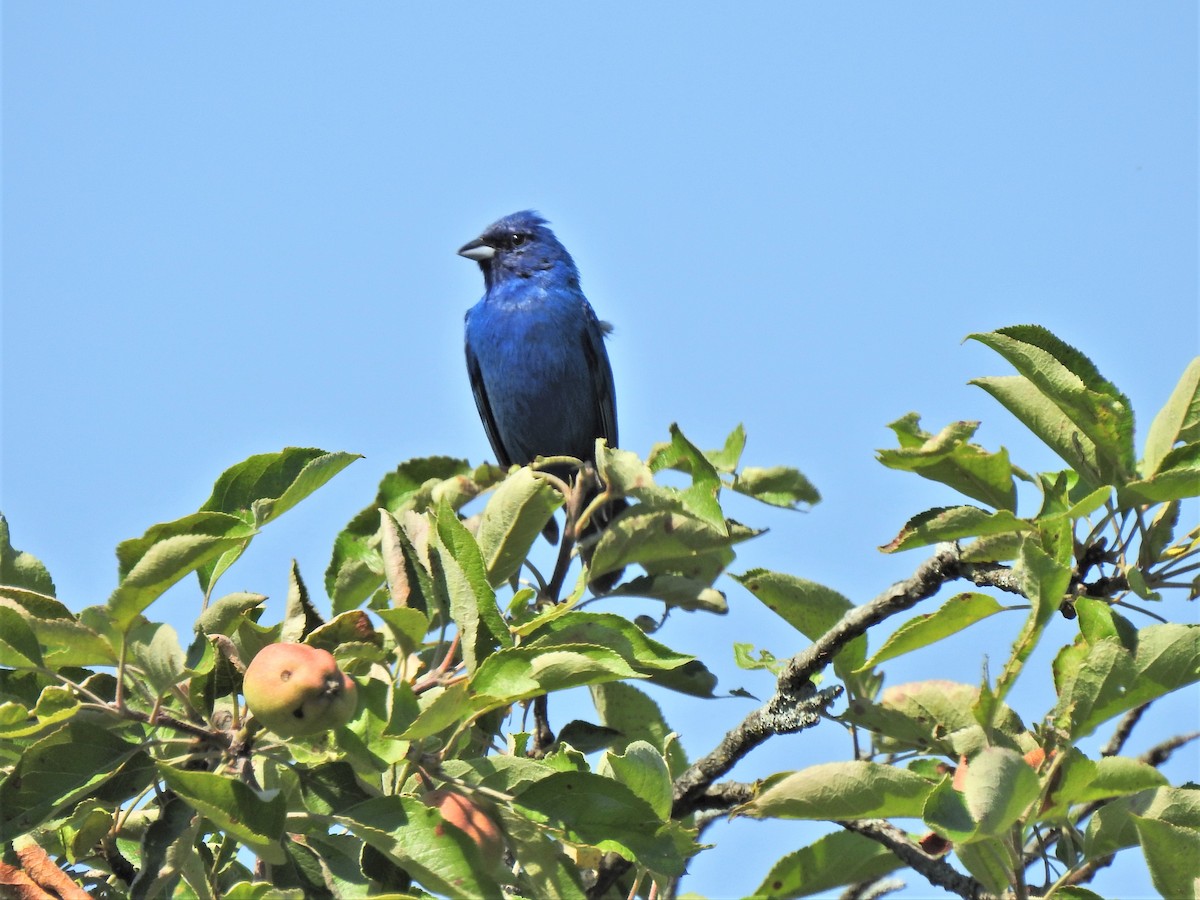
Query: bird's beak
pixel 477 250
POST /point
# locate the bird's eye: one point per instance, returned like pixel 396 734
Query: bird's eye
pixel 515 239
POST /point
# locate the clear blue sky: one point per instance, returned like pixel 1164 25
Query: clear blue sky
pixel 230 228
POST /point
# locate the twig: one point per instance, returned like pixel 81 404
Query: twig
pixel 872 889
pixel 796 704
pixel 1124 729
pixel 936 871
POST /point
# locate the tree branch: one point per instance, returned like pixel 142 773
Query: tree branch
pixel 796 704
pixel 936 871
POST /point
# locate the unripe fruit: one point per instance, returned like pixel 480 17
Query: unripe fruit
pixel 297 690
pixel 465 814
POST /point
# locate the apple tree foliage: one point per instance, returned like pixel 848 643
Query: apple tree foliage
pixel 129 765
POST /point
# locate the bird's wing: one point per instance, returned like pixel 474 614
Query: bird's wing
pixel 485 409
pixel 597 362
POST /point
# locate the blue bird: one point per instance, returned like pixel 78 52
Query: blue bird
pixel 535 349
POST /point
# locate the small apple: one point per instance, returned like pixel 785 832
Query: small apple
pixel 466 815
pixel 297 690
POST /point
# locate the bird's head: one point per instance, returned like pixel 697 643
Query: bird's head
pixel 519 246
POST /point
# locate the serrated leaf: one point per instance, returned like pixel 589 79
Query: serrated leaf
pixel 519 673
pixel 647 536
pixel 1172 855
pixel 948 458
pixel 953 616
pixel 439 710
pixel 659 663
pixel 19 648
pixel 635 716
pixel 1041 416
pixel 810 608
pixel 777 485
pixel 999 787
pixel 300 617
pixel 1178 420
pixel 265 486
pixel 676 591
pixel 78 760
pixel 225 614
pixel 255 818
pixel 1071 381
pixel 1113 826
pixel 700 499
pixel 600 812
pixel 356 568
pixel 20 569
pixel 473 606
pixel 840 790
pixel 727 458
pixel 149 565
pixel 642 769
pixel 154 647
pixel 413 837
pixel 952 523
pixel 842 857
pixel 1177 478
pixel 512 520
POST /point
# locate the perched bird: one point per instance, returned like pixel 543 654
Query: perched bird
pixel 535 349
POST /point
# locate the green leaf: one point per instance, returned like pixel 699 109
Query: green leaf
pixel 951 523
pixel 727 458
pixel 356 568
pixel 166 553
pixel 523 672
pixel 472 600
pixel 264 487
pixel 408 626
pixel 953 616
pixel 1114 826
pixel 999 787
pixel 267 485
pixel 1041 416
pixel 256 818
pixel 810 608
pixel 600 812
pixel 1172 855
pixel 842 857
pixel 225 614
pixel 1044 581
pixel 78 760
pixel 661 664
pixel 656 535
pixel 512 520
pixel 168 838
pixel 676 591
pixel 840 790
pixel 947 814
pixel 21 569
pixel 1071 381
pixel 1177 478
pixel 439 710
pixel 642 769
pixel 154 647
pixel 700 499
pixel 636 717
pixel 947 457
pixel 777 485
pixel 19 647
pixel 934 716
pixel 414 837
pixel 1178 420
pixel 989 861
